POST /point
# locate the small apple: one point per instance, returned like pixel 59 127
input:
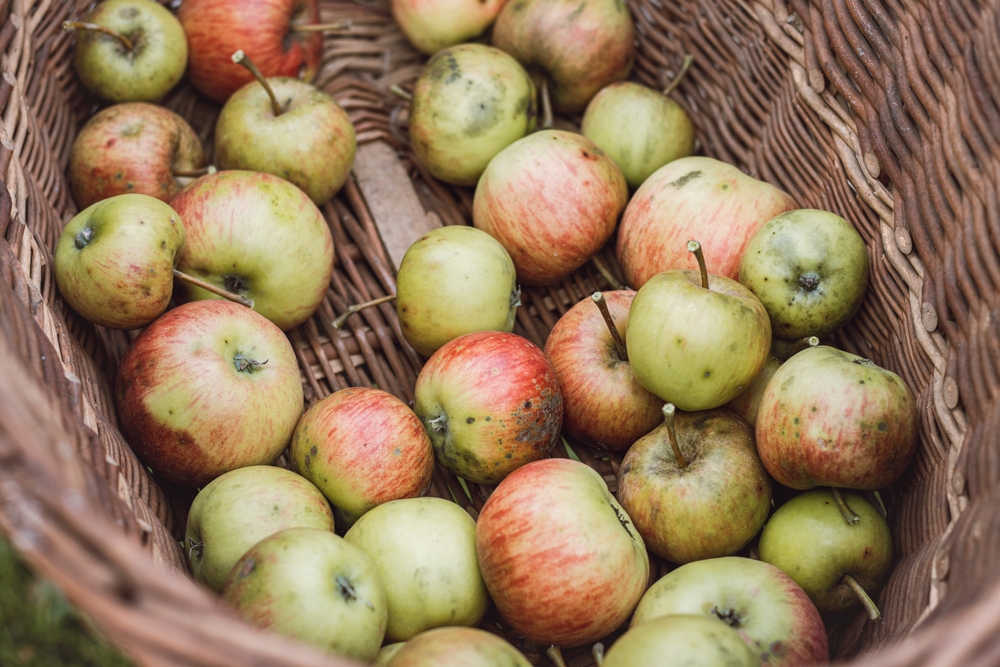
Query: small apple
pixel 491 403
pixel 208 387
pixel 681 639
pixel 387 653
pixel 240 508
pixel 832 418
pixel 133 148
pixel 470 102
pixel 434 25
pixel 559 555
pixel 746 403
pixel 452 281
pixel 458 647
pixel 809 268
pixel 114 260
pixel 772 614
pixel 552 199
pixel 129 50
pixel 314 586
pixel 362 447
pixel 425 552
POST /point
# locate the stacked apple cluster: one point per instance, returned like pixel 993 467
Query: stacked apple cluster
pixel 708 375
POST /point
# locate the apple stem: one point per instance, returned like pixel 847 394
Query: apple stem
pixel 336 26
pixel 688 60
pixel 602 305
pixel 869 604
pixel 209 287
pixel 668 419
pixel 598 652
pixel 555 655
pixel 695 247
pixel 849 515
pixel 241 58
pixel 93 27
pixel 342 319
pixel 547 120
pixel 399 91
pixel 603 269
pixel 194 173
pixel 802 344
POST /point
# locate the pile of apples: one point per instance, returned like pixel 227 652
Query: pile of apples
pixel 707 375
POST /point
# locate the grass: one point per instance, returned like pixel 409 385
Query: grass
pixel 39 627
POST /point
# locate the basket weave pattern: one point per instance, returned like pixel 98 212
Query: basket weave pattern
pixel 884 111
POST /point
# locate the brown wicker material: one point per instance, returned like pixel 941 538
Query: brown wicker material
pixel 884 111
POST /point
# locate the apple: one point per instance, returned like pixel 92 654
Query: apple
pixel 241 507
pixel 832 418
pixel 129 50
pixel 451 281
pixel 362 447
pixel 425 552
pixel 694 198
pixel 458 647
pixel 603 404
pixel 133 148
pixel 258 236
pixel 746 403
pixel 470 102
pixel 387 653
pixel 578 47
pixel 268 31
pixel 560 557
pixel 681 639
pixel 695 487
pixel 491 403
pixel 696 340
pixel 434 25
pixel 552 199
pixel 208 387
pixel 114 260
pixel 775 617
pixel 809 268
pixel 835 562
pixel 314 586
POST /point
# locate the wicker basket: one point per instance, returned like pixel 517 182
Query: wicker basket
pixel 885 111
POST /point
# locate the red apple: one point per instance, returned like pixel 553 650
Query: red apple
pixel 552 199
pixel 491 403
pixel 603 402
pixel 208 387
pixel 559 555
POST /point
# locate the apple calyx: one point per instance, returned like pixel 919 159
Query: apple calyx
pixel 809 281
pixel 247 365
pixel 218 291
pixel 129 45
pixel 668 418
pixel 727 616
pixel 845 510
pixel 243 60
pixel 695 248
pixel 602 305
pixel 440 423
pixel 866 601
pixel 345 588
pixel 342 318
pixel 196 549
pixel 83 237
pixel 685 66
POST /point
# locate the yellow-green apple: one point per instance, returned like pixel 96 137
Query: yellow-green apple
pixel 314 586
pixel 258 236
pixel 681 639
pixel 694 198
pixel 641 129
pixel 129 50
pixel 432 25
pixel 772 614
pixel 133 148
pixel 491 403
pixel 458 647
pixel 266 30
pixel 809 268
pixel 387 653
pixel 362 447
pixel 838 564
pixel 745 404
pixel 452 281
pixel 208 387
pixel 552 199
pixel 114 260
pixel 832 418
pixel 578 47
pixel 425 552
pixel 560 557
pixel 470 102
pixel 603 404
pixel 240 508
pixel 695 487
pixel 696 339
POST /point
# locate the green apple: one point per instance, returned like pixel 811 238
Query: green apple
pixel 745 403
pixel 243 506
pixel 452 281
pixel 114 261
pixel 809 268
pixel 387 653
pixel 425 552
pixel 458 647
pixel 681 639
pixel 828 557
pixel 314 586
pixel 470 102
